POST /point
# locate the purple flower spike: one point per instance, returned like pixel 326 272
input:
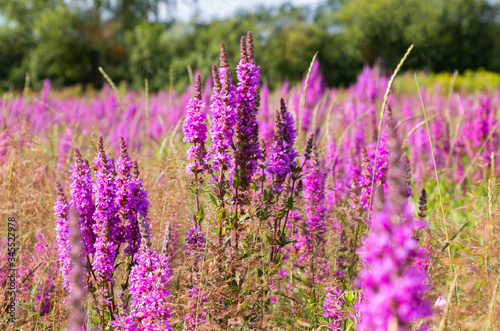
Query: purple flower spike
pixel 282 154
pixel 107 222
pixel 247 146
pixel 365 180
pixel 195 241
pixel 62 231
pixel 314 200
pixel 81 199
pixel 224 69
pixel 131 198
pixel 223 120
pixel 123 182
pixel 138 204
pixel 195 131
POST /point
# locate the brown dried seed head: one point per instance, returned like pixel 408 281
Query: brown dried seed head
pixel 224 63
pixel 250 48
pixel 216 79
pixel 197 88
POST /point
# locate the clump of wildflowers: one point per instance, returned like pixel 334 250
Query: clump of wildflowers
pixel 149 290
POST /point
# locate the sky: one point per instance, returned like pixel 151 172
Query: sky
pixel 210 9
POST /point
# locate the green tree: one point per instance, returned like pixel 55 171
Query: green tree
pixel 67 41
pixel 448 34
pixel 149 55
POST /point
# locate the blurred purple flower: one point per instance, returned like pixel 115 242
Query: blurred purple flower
pixel 64 147
pixel 197 315
pixel 131 198
pixel 4 143
pixel 149 283
pixel 333 308
pixel 195 242
pixel 440 304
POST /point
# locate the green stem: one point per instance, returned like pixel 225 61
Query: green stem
pixel 452 268
pixel 382 113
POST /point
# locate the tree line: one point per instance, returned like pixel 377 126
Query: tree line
pixel 68 40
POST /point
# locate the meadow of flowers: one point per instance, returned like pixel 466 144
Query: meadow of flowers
pixel 230 207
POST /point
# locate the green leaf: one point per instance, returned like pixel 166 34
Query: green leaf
pixel 457 247
pixel 201 214
pixel 213 199
pixel 277 259
pixel 119 263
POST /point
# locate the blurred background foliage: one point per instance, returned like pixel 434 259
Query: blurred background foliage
pixel 67 40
